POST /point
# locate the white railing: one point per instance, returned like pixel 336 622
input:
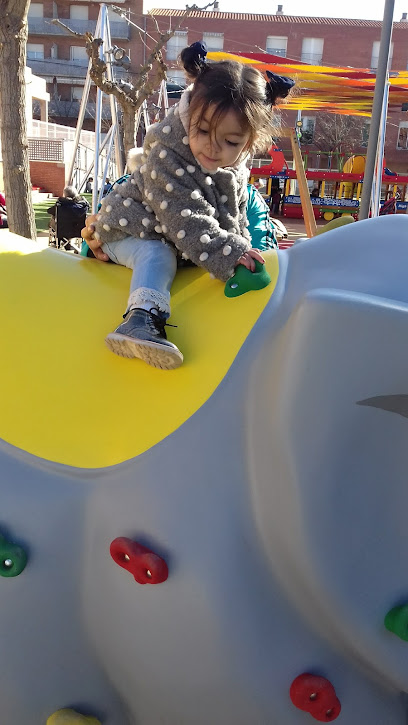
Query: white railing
pixel 42 129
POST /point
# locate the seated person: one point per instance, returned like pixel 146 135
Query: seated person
pixel 88 186
pixel 74 209
pixel 261 226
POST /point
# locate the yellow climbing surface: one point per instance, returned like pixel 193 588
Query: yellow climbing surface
pixel 65 397
pixel 70 717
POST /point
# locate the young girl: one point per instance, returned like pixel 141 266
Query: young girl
pixel 188 197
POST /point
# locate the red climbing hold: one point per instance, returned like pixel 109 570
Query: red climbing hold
pixel 315 695
pixel 146 566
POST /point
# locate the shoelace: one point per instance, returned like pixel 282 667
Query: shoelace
pixel 156 322
pixel 159 322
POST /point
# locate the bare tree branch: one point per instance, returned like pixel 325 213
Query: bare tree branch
pixel 56 21
pixel 149 77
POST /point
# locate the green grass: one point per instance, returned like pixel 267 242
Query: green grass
pixel 41 216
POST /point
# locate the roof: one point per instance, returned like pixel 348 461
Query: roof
pixel 262 18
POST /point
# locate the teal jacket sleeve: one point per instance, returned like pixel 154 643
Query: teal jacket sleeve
pixel 260 225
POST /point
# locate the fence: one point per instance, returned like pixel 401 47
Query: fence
pixel 42 129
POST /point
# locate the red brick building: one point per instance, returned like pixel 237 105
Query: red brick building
pixel 62 60
pixel 331 41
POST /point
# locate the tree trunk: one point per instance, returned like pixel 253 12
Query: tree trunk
pixel 129 127
pixel 13 124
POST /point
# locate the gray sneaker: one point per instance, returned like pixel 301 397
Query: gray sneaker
pixel 142 335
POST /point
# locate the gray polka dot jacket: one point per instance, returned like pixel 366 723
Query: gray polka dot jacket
pixel 170 197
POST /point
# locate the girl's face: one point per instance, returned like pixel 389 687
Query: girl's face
pixel 225 145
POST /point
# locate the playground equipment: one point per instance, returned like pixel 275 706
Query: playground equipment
pixel 223 543
pixel 339 191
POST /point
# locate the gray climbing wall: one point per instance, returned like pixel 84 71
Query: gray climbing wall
pixel 279 508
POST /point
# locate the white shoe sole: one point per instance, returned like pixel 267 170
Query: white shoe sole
pixel 155 354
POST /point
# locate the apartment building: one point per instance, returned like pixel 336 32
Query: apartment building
pixel 331 41
pixel 62 60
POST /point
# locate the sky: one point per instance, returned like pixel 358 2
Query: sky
pixel 362 9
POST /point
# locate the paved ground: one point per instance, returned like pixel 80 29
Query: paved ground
pixel 296 229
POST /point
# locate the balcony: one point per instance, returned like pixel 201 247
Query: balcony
pixel 65 71
pixel 44 26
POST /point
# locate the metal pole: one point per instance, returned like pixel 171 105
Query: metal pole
pixel 382 70
pixel 91 165
pixel 113 103
pixel 82 109
pixel 375 208
pixel 146 116
pixel 165 98
pixel 98 116
pixel 105 171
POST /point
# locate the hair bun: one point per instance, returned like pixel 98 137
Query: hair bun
pixel 193 58
pixel 278 86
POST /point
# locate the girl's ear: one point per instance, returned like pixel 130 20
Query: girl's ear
pixel 248 150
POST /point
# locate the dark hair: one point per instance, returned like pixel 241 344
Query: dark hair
pixel 228 85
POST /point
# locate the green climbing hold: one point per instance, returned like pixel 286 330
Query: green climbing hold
pixel 396 621
pixel 244 280
pixel 12 558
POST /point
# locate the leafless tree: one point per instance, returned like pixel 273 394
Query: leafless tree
pixel 337 133
pixel 13 125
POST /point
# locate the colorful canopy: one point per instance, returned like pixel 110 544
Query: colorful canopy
pixel 326 88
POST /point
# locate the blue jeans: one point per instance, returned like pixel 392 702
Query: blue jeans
pixel 154 266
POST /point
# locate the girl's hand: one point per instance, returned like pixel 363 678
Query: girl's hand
pixel 93 244
pixel 248 259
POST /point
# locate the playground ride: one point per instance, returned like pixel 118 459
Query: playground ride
pixel 339 191
pixel 189 542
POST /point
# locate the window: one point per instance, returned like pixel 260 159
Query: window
pixel 78 12
pixel 276 45
pixel 36 10
pixel 115 17
pixel 35 51
pixel 376 52
pixel 215 41
pixel 402 142
pixel 176 44
pixel 176 75
pixel 308 129
pixel 76 93
pixel 79 55
pixel 312 50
